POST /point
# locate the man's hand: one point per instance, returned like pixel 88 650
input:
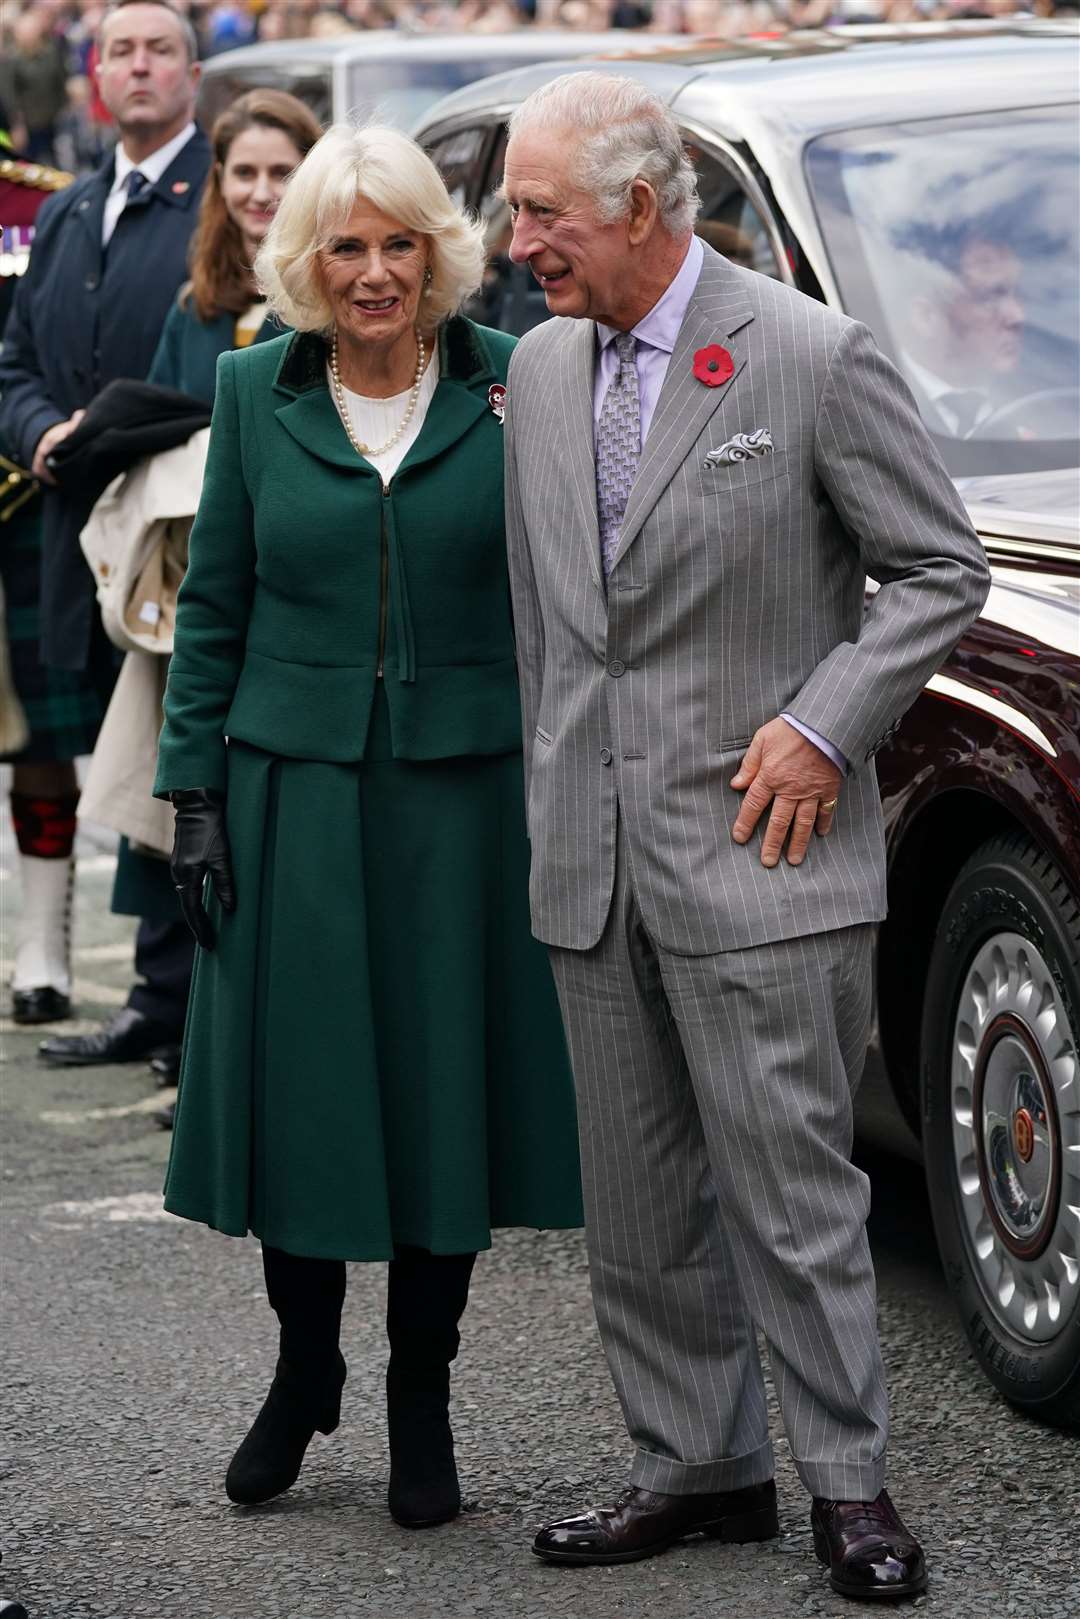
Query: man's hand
pixel 47 443
pixel 781 768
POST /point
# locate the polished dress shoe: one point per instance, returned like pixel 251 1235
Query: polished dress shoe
pixel 44 1005
pixel 165 1066
pixel 867 1548
pixel 127 1037
pixel 297 1407
pixel 642 1523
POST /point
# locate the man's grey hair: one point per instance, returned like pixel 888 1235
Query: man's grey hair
pixel 627 133
pixel 187 32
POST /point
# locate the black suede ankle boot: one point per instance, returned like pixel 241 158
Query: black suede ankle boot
pixel 427 1296
pixel 305 1396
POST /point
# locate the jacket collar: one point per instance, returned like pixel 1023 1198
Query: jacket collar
pixel 309 414
pixel 187 171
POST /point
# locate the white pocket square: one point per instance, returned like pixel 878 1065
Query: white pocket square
pixel 743 447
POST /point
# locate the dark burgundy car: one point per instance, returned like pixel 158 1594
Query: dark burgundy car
pixel 924 180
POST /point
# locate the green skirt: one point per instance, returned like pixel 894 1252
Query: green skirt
pixel 373 1052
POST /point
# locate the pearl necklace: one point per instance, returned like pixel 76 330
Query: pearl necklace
pixel 343 407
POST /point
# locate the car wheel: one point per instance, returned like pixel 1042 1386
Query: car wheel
pixel 1001 1120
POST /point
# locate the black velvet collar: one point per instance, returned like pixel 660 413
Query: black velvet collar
pixel 463 357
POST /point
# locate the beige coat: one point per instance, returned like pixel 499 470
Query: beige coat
pixel 136 545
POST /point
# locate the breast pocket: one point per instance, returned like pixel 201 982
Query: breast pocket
pixel 736 478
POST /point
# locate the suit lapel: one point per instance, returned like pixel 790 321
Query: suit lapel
pixel 718 311
pixel 575 393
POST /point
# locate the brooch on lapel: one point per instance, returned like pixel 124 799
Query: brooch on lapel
pixel 497 400
pixel 180 188
pixel 713 365
pixel 743 447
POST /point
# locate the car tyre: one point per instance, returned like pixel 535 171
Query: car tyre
pixel 1000 1083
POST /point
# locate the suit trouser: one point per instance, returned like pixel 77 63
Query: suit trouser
pixel 715 1111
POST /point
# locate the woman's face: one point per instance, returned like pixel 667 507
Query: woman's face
pixel 253 176
pixel 373 273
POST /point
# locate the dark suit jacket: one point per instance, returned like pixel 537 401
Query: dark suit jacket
pixel 81 318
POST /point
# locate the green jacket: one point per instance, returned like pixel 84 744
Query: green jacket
pixel 187 354
pixel 305 577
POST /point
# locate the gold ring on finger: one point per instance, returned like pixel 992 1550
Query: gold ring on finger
pixel 831 805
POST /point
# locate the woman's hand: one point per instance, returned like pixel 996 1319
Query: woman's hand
pixel 201 847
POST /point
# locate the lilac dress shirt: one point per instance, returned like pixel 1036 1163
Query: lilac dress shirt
pixel 656 334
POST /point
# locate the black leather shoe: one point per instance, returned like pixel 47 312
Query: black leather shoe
pixel 867 1548
pixel 270 1458
pixel 642 1523
pixel 127 1037
pixel 164 1116
pixel 165 1066
pixel 45 1005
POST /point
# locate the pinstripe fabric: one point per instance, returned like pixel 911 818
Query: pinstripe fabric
pixel 720 1197
pixel 736 594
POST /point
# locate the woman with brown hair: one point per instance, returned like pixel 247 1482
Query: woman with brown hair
pixel 257 142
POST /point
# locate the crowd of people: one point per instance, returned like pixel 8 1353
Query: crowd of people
pixel 52 109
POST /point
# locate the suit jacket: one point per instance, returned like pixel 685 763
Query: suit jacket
pixel 301 567
pixel 81 318
pixel 737 593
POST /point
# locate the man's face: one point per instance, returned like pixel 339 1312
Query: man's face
pixel 985 314
pixel 144 75
pixel 582 264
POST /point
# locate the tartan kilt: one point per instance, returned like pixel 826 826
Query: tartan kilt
pixel 64 708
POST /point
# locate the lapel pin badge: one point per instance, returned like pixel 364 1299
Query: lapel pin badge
pixel 713 365
pixel 179 187
pixel 497 400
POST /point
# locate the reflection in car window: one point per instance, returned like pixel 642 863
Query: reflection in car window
pixel 728 220
pixel 456 157
pixel 956 240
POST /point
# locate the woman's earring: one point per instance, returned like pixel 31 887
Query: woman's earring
pixel 428 278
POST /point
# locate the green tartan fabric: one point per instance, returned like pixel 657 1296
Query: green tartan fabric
pixel 64 709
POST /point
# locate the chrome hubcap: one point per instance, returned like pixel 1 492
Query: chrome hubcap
pixel 1015 1118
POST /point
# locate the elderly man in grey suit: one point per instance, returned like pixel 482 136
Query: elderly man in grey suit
pixel 703 466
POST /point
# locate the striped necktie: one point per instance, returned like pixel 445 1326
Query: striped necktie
pixel 618 448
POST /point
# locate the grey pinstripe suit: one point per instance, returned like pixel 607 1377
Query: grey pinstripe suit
pixel 717 1010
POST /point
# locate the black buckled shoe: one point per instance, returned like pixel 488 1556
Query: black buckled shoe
pixel 165 1066
pixel 867 1548
pixel 43 1005
pixel 297 1407
pixel 643 1523
pixel 127 1037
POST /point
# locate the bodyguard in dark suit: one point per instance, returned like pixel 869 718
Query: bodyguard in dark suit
pixel 109 255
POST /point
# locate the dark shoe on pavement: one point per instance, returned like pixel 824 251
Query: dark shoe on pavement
pixel 165 1066
pixel 165 1116
pixel 867 1548
pixel 44 1005
pixel 642 1523
pixel 270 1458
pixel 127 1037
pixel 424 1489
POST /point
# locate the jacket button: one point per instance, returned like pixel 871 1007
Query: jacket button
pixel 605 756
pixel 91 283
pixel 616 668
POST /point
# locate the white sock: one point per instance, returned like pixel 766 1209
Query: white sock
pixel 43 931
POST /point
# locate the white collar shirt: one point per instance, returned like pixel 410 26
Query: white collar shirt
pixel 152 168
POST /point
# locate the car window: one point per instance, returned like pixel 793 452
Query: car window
pixel 401 92
pixel 728 220
pixel 457 158
pixel 511 298
pixel 957 240
pixel 220 89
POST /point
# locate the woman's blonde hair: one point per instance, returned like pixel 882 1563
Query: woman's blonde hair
pixel 392 173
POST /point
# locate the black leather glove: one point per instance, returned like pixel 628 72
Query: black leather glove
pixel 201 847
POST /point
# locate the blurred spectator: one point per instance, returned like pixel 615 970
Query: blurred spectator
pixel 33 84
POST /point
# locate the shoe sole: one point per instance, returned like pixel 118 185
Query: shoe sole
pixel 864 1593
pixel 738 1530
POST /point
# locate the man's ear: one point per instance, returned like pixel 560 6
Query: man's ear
pixel 644 212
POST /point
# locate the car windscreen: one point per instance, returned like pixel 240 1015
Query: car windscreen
pixel 956 241
pixel 224 85
pixel 401 92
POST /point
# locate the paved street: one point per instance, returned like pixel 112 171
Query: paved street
pixel 135 1349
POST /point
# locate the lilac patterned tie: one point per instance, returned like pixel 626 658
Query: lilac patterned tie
pixel 618 448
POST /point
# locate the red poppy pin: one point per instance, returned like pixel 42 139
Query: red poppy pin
pixel 497 399
pixel 179 187
pixel 713 365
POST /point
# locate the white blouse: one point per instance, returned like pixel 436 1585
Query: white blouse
pixel 375 420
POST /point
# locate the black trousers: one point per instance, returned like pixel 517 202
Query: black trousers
pixel 164 957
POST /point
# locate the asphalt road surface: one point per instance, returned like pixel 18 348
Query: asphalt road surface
pixel 136 1348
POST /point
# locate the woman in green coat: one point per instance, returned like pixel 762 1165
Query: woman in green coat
pixel 257 142
pixel 374 1065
